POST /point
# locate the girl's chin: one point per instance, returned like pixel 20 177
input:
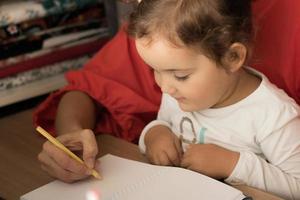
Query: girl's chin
pixel 186 107
pixel 189 107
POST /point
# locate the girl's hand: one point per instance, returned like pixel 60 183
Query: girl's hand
pixel 163 147
pixel 211 160
pixel 60 165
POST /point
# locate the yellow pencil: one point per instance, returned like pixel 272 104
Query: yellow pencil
pixel 65 149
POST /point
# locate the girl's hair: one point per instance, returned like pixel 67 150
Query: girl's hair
pixel 209 26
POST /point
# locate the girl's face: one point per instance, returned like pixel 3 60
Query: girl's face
pixel 193 79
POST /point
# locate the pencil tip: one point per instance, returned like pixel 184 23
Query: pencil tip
pixel 96 175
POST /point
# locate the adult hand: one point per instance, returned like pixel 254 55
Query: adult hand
pixel 210 159
pixel 163 147
pixel 60 165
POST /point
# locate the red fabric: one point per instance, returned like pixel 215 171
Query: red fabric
pixel 277 45
pixel 119 80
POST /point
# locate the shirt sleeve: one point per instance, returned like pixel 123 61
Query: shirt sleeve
pixel 279 173
pixel 163 118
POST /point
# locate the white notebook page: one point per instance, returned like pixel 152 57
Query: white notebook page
pixel 125 179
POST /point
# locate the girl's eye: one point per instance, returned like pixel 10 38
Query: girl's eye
pixel 181 78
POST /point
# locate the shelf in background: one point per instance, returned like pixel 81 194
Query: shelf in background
pixel 31 90
pixel 13 92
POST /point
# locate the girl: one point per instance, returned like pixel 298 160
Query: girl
pixel 217 116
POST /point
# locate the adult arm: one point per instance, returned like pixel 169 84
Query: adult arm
pixel 76 111
pixel 74 123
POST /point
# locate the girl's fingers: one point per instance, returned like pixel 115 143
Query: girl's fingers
pixel 179 150
pixel 173 156
pixel 163 159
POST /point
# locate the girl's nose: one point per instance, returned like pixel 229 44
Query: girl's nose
pixel 164 83
pixel 167 88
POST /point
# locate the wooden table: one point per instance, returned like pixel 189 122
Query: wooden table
pixel 20 171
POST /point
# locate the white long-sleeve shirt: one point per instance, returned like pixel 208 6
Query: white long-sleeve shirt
pixel 264 128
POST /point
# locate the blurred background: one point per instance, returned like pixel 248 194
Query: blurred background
pixel 40 40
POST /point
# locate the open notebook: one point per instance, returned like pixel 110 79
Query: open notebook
pixel 131 180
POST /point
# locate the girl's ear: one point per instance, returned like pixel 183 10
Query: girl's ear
pixel 235 57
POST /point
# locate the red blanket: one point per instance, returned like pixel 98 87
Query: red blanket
pixel 119 80
pixel 277 43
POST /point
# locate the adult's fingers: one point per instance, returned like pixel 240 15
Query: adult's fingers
pixel 90 148
pixel 54 169
pixel 54 156
pixel 84 140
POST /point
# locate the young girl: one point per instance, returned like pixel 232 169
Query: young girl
pixel 217 116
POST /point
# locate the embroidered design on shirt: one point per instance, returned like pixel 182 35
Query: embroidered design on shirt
pixel 181 137
pixel 201 135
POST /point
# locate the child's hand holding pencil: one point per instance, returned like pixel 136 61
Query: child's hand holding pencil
pixel 61 163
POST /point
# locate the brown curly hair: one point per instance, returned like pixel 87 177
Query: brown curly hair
pixel 209 26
